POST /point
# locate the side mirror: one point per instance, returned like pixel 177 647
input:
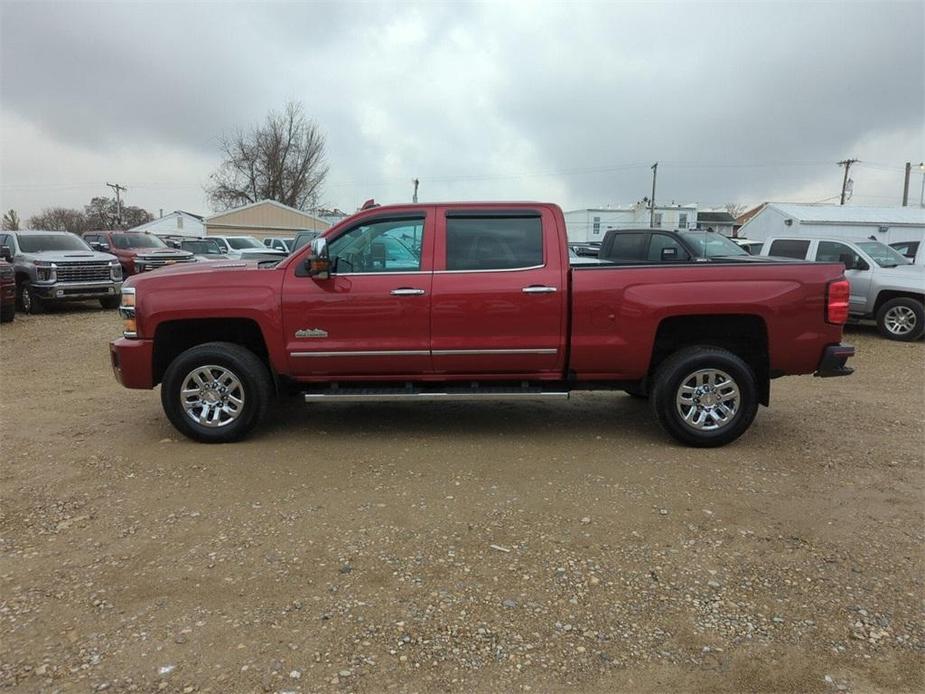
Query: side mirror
pixel 6 253
pixel 668 254
pixel 318 263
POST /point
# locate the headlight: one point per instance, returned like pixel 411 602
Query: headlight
pixel 46 272
pixel 115 270
pixel 127 309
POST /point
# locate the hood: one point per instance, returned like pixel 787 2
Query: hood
pixel 71 256
pixel 187 270
pixel 260 251
pixel 907 274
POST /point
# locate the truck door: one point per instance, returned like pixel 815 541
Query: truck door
pixel 499 293
pixel 372 316
pixel 857 271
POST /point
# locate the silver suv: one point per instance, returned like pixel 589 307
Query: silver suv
pixel 884 285
pixel 53 266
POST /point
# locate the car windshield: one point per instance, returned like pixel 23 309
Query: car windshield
pixel 882 254
pixel 202 247
pixel 709 244
pixel 239 242
pixel 36 243
pixel 132 241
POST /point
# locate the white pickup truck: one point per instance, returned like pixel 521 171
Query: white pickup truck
pixel 885 286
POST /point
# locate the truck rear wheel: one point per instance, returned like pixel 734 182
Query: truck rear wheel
pixel 901 319
pixel 704 396
pixel 216 392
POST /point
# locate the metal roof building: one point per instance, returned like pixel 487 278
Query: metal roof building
pixel 886 224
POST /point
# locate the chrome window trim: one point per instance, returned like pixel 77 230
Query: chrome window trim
pixel 505 269
pixel 392 274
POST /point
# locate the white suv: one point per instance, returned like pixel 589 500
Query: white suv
pixel 246 248
pixel 884 285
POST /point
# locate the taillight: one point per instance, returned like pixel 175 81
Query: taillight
pixel 836 305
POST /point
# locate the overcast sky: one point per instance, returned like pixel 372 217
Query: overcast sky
pixel 561 101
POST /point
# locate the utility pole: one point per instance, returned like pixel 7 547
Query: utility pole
pixel 116 187
pixel 906 184
pixel 416 182
pixel 847 164
pixel 922 196
pixel 654 168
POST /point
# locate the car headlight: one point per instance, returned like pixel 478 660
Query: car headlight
pixel 46 272
pixel 115 270
pixel 127 310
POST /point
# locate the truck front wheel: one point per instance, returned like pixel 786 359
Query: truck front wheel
pixel 704 396
pixel 216 392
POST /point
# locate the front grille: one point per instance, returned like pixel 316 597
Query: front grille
pixel 83 272
pixel 153 262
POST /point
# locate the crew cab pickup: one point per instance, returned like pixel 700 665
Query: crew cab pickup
pixel 475 301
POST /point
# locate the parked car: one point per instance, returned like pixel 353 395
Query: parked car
pixel 57 266
pixel 914 251
pixel 279 244
pixel 7 292
pixel 489 309
pixel 302 238
pixel 884 286
pixel 753 247
pixel 247 248
pixel 204 249
pixel 647 246
pixel 136 251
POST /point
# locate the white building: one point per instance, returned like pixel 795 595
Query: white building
pixel 886 224
pixel 177 223
pixel 592 223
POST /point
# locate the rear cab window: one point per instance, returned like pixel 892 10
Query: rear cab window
pixel 626 248
pixel 789 248
pixel 485 242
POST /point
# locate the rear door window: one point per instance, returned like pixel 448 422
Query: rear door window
pixel 789 248
pixel 628 248
pixel 493 243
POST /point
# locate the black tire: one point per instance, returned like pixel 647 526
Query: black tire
pixel 28 301
pixel 637 392
pixel 682 366
pixel 253 378
pixel 9 314
pixel 890 315
pixel 110 302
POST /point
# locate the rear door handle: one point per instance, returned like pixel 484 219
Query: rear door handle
pixel 406 291
pixel 539 289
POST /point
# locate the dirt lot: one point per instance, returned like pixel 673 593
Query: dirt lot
pixel 458 547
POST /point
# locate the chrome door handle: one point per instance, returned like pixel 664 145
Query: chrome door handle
pixel 538 289
pixel 406 291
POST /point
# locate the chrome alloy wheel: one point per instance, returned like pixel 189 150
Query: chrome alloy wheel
pixel 212 396
pixel 708 399
pixel 900 320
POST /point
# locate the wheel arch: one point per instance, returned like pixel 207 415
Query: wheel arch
pixel 745 335
pixel 885 295
pixel 172 338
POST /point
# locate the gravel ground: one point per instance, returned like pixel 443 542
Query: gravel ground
pixel 456 547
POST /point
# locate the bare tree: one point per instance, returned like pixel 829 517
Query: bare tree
pixel 103 213
pixel 10 221
pixel 735 208
pixel 59 219
pixel 282 159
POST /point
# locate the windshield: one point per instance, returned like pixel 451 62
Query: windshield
pixel 709 244
pixel 29 243
pixel 202 247
pixel 239 242
pixel 882 254
pixel 130 241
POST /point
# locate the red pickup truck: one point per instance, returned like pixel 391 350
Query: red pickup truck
pixel 476 301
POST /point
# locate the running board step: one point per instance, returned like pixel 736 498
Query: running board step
pixel 420 394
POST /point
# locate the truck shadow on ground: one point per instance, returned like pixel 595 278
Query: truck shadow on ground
pixel 585 416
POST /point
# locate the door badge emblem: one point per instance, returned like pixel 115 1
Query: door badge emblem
pixel 311 332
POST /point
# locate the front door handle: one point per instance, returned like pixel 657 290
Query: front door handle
pixel 406 291
pixel 539 289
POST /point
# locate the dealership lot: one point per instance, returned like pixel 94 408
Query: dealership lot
pixel 456 547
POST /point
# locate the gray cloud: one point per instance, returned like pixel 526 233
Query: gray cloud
pixel 571 102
